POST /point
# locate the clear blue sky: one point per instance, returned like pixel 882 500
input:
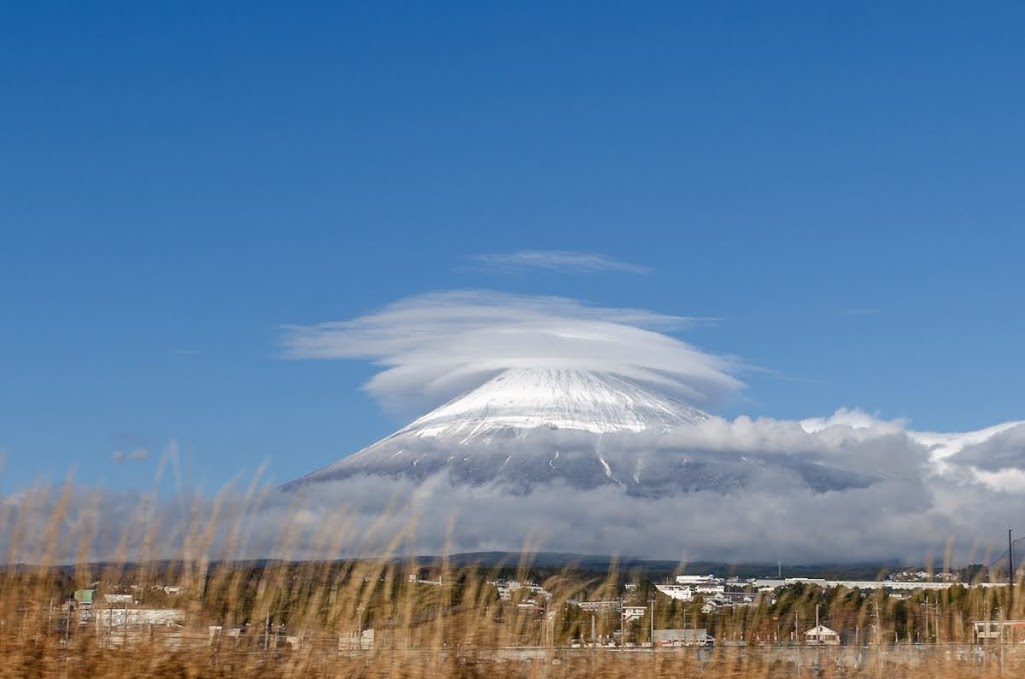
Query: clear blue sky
pixel 842 183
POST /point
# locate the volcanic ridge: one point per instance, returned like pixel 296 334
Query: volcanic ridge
pixel 584 429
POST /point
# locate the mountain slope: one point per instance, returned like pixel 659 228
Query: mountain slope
pixel 584 429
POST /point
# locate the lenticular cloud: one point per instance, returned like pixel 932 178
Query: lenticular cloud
pixel 432 347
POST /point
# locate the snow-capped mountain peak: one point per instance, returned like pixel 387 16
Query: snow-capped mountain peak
pixel 586 429
pixel 548 398
pixel 474 430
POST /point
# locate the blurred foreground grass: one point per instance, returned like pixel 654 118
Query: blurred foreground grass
pixel 201 613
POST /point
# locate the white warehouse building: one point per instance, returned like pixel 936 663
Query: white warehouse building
pixel 686 587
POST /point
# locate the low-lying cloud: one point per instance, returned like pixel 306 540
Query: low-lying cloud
pixel 912 509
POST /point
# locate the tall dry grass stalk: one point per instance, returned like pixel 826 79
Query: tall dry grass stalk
pixel 307 617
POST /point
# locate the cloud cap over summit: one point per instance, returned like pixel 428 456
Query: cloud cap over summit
pixel 435 346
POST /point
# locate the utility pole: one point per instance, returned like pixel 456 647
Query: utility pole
pixel 879 630
pixel 359 628
pixel 622 623
pixel 797 640
pixel 925 607
pixel 1010 574
pixel 652 638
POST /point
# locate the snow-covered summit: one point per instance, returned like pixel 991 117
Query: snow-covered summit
pixel 499 428
pixel 528 427
pixel 549 398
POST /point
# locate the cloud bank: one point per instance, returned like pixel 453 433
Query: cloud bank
pixel 432 347
pixel 912 509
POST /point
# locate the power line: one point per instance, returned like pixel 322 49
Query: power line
pixel 1003 555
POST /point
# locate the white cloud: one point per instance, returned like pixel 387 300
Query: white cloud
pixel 907 512
pixel 432 347
pixel 136 455
pixel 850 418
pixel 556 260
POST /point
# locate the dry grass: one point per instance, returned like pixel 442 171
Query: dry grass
pixel 294 614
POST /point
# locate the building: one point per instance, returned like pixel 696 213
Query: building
pixel 137 617
pixel 682 637
pixel 356 641
pixel 822 635
pixel 686 587
pixel 84 597
pixel 631 613
pixel 864 585
pixel 118 599
pixel 998 631
pixel 506 589
pixel 595 606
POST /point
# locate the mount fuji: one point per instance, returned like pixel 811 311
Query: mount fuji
pixel 536 426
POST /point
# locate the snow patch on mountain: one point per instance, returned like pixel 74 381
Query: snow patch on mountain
pixel 552 398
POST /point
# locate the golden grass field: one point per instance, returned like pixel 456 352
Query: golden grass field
pixel 302 619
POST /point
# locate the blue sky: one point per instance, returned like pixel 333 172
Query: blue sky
pixel 839 183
